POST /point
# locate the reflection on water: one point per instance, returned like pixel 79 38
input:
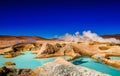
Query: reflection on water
pixel 90 63
pixel 80 61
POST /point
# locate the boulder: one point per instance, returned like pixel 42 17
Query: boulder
pixel 9 63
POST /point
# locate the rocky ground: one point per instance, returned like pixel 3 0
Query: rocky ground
pixel 4 71
pixel 59 67
pixel 43 49
pixel 50 48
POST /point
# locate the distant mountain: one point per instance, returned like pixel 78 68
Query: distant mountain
pixel 117 36
pixel 9 38
pixel 6 37
pixel 6 40
pixel 53 39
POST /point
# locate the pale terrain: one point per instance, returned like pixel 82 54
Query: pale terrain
pixel 96 50
pixel 43 48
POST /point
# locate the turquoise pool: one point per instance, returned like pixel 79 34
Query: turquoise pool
pixel 114 57
pixel 28 61
pixel 90 63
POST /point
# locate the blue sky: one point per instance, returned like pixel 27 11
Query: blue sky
pixel 48 18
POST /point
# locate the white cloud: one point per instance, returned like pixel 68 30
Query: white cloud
pixel 87 36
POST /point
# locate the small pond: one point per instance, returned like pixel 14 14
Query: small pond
pixel 27 60
pixel 90 63
pixel 114 57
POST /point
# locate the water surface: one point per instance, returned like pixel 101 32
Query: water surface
pixel 114 57
pixel 98 66
pixel 28 61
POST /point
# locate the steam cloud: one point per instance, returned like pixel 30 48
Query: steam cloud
pixel 87 36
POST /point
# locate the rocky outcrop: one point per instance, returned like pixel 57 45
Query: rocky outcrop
pixel 11 54
pixel 5 49
pixel 51 50
pixel 113 63
pixel 44 49
pixel 107 60
pixel 16 50
pixel 23 47
pixel 60 67
pixel 9 63
pixel 117 36
pixel 4 71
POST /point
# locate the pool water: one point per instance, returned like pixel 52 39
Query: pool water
pixel 90 63
pixel 28 61
pixel 114 58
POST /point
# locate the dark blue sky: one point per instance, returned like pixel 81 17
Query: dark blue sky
pixel 48 18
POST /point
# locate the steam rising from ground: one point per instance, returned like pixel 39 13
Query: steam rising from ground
pixel 87 36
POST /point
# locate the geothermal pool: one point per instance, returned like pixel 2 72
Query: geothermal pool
pixel 90 63
pixel 114 58
pixel 28 61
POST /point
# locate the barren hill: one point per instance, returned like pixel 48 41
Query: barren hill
pixel 117 36
pixel 6 41
pixel 5 37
